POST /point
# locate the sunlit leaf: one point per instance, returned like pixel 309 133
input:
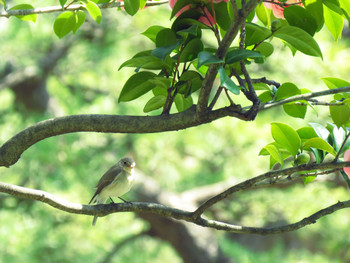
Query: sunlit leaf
pixel 295 109
pixel 131 6
pixel 321 131
pixel 155 103
pixel 94 11
pixel 274 152
pixel 32 17
pixel 286 90
pixel 340 114
pixel 152 32
pixel 286 136
pixel 320 144
pixel 333 18
pixel 64 24
pixel 80 17
pixel 299 39
pixel 299 17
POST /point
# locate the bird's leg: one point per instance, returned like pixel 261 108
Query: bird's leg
pixel 111 200
pixel 124 200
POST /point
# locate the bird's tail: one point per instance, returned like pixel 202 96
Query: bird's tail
pixel 97 200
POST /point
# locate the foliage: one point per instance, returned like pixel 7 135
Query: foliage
pixel 171 74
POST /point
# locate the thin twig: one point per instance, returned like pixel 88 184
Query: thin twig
pixel 271 174
pixel 52 9
pixel 341 147
pixel 305 96
pixel 216 97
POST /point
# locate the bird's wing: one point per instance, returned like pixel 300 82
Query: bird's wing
pixel 106 179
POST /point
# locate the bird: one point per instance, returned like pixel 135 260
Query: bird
pixel 114 183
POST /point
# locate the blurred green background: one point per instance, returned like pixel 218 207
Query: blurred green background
pixel 86 80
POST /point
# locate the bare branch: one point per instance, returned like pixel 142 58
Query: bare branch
pixel 165 211
pixel 277 230
pixel 11 151
pixel 269 175
pixel 52 9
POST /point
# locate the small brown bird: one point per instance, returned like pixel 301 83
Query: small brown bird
pixel 115 182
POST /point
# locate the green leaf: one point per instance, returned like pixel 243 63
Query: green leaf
pixel 338 137
pixel 320 144
pixel 63 2
pixel 142 4
pixel 255 34
pixel 162 82
pixel 136 86
pixel 131 6
pixel 152 32
pixel 80 17
pixel 236 55
pixel 193 30
pixel 265 49
pixel 32 17
pixel 94 11
pixel 207 58
pixel 192 82
pixel 306 133
pixel 165 37
pixel 315 8
pixel 146 60
pixel 309 179
pixel 155 103
pixel 333 18
pixel 164 51
pixel 64 24
pixel 299 39
pixel 299 17
pixel 286 90
pixel 264 14
pixel 333 83
pixel 321 131
pixel 191 50
pixel 345 6
pixel 159 91
pixel 227 82
pixel 182 103
pixel 286 136
pixel 274 152
pixel 265 96
pixel 222 16
pixel 178 6
pixel 340 114
pixel 261 86
pixel 295 110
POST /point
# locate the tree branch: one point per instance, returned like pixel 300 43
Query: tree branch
pixel 305 96
pixel 269 175
pixel 193 217
pixel 230 35
pixel 52 9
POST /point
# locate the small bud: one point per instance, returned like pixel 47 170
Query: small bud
pixel 275 25
pixel 302 158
